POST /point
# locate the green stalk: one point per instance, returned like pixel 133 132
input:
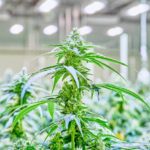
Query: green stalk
pixel 73 135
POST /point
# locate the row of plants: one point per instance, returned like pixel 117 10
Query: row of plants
pixel 128 120
pixel 72 112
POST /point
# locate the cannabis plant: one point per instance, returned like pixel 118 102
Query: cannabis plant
pixel 12 95
pixel 124 118
pixel 11 100
pixel 75 126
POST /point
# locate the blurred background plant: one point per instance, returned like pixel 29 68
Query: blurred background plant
pixel 11 100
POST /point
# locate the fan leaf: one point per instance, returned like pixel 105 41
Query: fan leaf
pixel 25 111
pixel 119 89
pixel 73 72
pixel 51 108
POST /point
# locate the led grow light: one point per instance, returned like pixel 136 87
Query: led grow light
pixel 115 31
pixel 16 29
pixel 94 7
pixel 1 3
pixel 47 6
pixel 138 9
pixel 51 29
pixel 85 30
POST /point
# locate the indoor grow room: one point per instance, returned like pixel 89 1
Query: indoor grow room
pixel 74 75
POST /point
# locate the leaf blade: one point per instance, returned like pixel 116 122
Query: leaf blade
pixel 34 78
pixel 25 111
pixel 105 58
pixel 73 72
pixel 123 90
pixel 51 108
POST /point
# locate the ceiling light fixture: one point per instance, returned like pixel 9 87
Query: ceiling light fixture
pixel 51 29
pixel 138 9
pixel 16 29
pixel 47 6
pixel 115 31
pixel 94 7
pixel 1 3
pixel 85 30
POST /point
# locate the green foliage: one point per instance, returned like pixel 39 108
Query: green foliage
pixel 17 131
pixel 23 145
pixel 75 127
pixel 13 90
pixel 122 90
pixel 12 104
pixel 12 96
pixel 26 110
pixel 51 108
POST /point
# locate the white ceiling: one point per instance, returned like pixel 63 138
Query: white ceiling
pixel 25 12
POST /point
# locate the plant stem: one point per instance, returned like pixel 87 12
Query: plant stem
pixel 73 135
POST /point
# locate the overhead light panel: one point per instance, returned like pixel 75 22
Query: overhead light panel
pixel 51 29
pixel 94 7
pixel 1 3
pixel 85 30
pixel 138 9
pixel 16 29
pixel 115 31
pixel 47 6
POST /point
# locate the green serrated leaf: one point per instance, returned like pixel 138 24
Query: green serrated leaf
pixel 112 69
pixel 51 108
pixel 77 120
pixel 119 89
pixel 56 79
pixel 73 72
pixel 25 111
pixel 93 55
pixel 98 120
pixel 52 127
pixel 94 61
pixel 34 78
